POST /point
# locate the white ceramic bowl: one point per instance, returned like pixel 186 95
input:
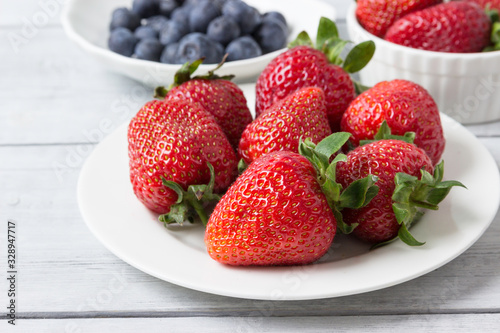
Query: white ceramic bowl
pixel 465 86
pixel 86 22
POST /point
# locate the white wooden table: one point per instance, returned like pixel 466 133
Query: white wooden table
pixel 55 106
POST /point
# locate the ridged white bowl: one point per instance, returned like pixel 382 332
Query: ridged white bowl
pixel 86 23
pixel 465 86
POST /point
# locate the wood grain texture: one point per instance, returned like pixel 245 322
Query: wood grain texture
pixel 484 323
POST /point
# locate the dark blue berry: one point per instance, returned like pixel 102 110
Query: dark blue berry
pixel 122 41
pixel 273 15
pixel 243 48
pixel 156 22
pixel 197 45
pixel 247 17
pixel 201 15
pixel 219 3
pixel 124 18
pixel 173 31
pixel 148 49
pixel 180 14
pixel 169 54
pixel 271 35
pixel 145 32
pixel 223 29
pixel 167 7
pixel 146 8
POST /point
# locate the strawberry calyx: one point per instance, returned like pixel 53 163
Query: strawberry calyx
pixel 495 30
pixel 356 195
pixel 412 193
pixel 384 133
pixel 329 42
pixel 184 74
pixel 190 204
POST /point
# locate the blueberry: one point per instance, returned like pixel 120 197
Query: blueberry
pixel 148 49
pixel 173 31
pixel 243 48
pixel 168 56
pixel 122 41
pixel 145 32
pixel 201 15
pixel 146 8
pixel 247 17
pixel 271 35
pixel 223 29
pixel 192 3
pixel 156 22
pixel 166 7
pixel 124 18
pixel 219 3
pixel 197 45
pixel 180 14
pixel 273 15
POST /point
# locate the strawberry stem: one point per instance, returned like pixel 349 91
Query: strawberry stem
pixel 189 204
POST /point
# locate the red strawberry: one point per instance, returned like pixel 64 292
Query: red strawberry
pixel 304 66
pixel 405 106
pixel 376 16
pixel 456 26
pixel 398 166
pixel 174 140
pixel 300 115
pixel 218 95
pixel 282 210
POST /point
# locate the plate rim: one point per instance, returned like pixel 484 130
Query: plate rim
pixel 308 296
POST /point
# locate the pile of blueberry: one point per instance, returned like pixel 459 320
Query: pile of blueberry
pixel 178 31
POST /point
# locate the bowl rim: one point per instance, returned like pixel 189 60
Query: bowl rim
pixel 352 23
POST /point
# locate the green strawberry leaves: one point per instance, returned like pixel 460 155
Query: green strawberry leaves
pixel 184 74
pixel 384 133
pixel 190 203
pixel 495 30
pixel 329 42
pixel 411 194
pixel 357 195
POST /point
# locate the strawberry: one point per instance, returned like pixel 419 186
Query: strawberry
pixel 376 16
pixel 303 65
pixel 456 26
pixel 405 182
pixel 284 208
pixel 176 140
pixel 405 106
pixel 300 114
pixel 218 95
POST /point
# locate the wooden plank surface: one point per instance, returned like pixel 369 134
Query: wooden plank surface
pixel 55 106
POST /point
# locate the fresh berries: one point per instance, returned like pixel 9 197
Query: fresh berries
pixel 175 140
pixel 457 26
pixel 148 49
pixel 274 214
pixel 196 45
pixel 376 16
pixel 300 115
pixel 405 106
pixel 223 29
pixel 405 184
pixel 243 48
pixel 303 65
pixel 122 41
pixel 218 95
pixel 124 18
pixel 210 25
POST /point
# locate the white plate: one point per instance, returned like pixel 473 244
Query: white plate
pixel 86 22
pixel 133 233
